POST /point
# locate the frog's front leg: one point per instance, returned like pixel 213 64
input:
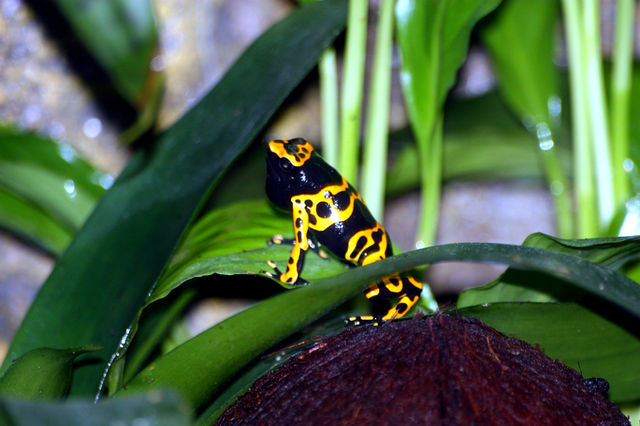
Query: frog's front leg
pixel 300 246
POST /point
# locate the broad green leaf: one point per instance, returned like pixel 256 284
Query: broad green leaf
pixel 200 366
pixel 156 408
pixel 518 286
pixel 521 40
pixel 233 240
pixel 433 37
pixel 48 190
pixel 574 335
pixel 123 37
pixel 103 278
pixel 43 373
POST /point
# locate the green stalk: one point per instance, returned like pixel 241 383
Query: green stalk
pixel 557 181
pixel 374 170
pixel 430 155
pixel 620 95
pixel 329 100
pixel 596 104
pixel 352 88
pixel 587 219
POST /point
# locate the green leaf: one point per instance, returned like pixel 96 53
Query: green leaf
pixel 574 335
pixel 33 224
pixel 123 37
pixel 634 134
pixel 102 279
pixel 200 366
pixel 433 37
pixel 233 240
pixel 521 40
pixel 611 252
pixel 518 286
pixel 48 190
pixel 156 408
pixel 51 175
pixel 41 373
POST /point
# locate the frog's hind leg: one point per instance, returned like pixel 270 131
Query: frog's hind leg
pixel 408 289
pixel 409 292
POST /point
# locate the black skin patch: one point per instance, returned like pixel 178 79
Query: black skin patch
pixel 323 209
pixel 336 217
pixel 374 248
pixel 312 219
pixel 360 244
pixel 341 200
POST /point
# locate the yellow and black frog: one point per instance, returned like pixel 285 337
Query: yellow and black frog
pixel 328 210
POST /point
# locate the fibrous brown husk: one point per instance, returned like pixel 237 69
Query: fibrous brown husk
pixel 433 370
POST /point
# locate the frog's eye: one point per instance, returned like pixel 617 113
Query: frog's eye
pixel 285 164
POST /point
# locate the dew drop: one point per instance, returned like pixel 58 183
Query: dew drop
pixel 92 127
pixel 70 188
pixel 67 152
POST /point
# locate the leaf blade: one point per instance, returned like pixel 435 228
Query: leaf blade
pixel 515 286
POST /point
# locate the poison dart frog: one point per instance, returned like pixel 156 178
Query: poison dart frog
pixel 328 210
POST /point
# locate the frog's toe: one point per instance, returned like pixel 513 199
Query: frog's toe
pixel 357 321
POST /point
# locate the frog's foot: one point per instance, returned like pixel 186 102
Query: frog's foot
pixel 357 321
pixel 277 274
pixel 279 239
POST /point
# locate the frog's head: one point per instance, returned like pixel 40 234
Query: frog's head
pixel 286 169
pixel 294 168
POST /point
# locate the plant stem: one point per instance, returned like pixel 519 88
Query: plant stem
pixel 597 111
pixel 587 219
pixel 620 95
pixel 352 88
pixel 430 156
pixel 329 100
pixel 557 181
pixel 374 170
